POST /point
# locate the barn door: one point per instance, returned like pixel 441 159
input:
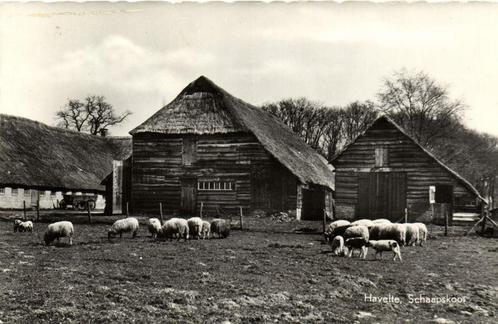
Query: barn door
pixel 381 195
pixel 260 189
pixel 34 197
pixel 189 196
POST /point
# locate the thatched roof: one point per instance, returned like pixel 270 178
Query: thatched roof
pixel 204 108
pixel 388 120
pixel 35 155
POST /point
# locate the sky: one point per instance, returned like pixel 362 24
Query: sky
pixel 141 55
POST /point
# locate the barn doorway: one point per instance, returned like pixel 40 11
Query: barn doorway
pixel 381 195
pixel 313 204
pixel 189 196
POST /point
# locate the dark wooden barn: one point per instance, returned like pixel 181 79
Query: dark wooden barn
pixel 207 148
pixel 384 171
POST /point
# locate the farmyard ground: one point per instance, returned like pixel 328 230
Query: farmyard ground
pixel 268 273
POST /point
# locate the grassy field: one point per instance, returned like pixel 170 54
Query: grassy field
pixel 268 273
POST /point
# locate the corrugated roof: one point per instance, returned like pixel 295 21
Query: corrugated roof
pixel 204 108
pixel 33 154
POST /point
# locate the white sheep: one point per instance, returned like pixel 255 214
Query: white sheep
pixel 357 243
pixel 337 245
pixel 385 245
pixel 26 226
pixel 206 229
pixel 17 222
pixel 412 234
pixel 125 225
pixel 422 233
pixel 331 228
pixel 357 231
pixel 58 230
pixel 175 227
pixel 363 222
pixel 381 221
pixel 395 232
pixel 154 226
pixel 195 227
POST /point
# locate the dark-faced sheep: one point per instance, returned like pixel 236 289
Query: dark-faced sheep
pixel 58 230
pixel 385 245
pixel 121 226
pixel 329 231
pixel 357 243
pixel 337 245
pixel 220 227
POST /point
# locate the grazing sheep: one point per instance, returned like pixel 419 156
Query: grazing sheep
pixel 357 243
pixel 363 222
pixel 422 233
pixel 357 231
pixel 26 226
pixel 395 232
pixel 206 229
pixel 385 245
pixel 381 221
pixel 220 227
pixel 154 226
pixel 195 227
pixel 125 225
pixel 58 230
pixel 412 234
pixel 337 245
pixel 17 222
pixel 175 227
pixel 329 231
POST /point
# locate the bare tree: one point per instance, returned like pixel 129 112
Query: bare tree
pixel 421 106
pixel 94 116
pixel 356 118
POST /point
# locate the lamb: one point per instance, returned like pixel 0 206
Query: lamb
pixel 125 225
pixel 195 227
pixel 357 231
pixel 17 222
pixel 154 226
pixel 206 229
pixel 395 232
pixel 220 227
pixel 422 233
pixel 58 230
pixel 329 231
pixel 363 222
pixel 175 227
pixel 381 221
pixel 337 245
pixel 412 234
pixel 385 245
pixel 357 243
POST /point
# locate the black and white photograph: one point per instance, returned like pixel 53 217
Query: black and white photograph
pixel 248 162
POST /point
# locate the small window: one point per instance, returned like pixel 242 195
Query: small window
pixel 15 191
pixel 215 185
pixel 381 156
pixel 2 191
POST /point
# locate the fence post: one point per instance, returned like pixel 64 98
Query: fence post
pixel 127 209
pixel 24 209
pixel 324 220
pixel 38 209
pixel 406 215
pixel 89 213
pixel 202 207
pixel 241 218
pixel 161 212
pixel 445 220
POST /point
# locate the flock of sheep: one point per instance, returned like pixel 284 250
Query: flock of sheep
pixel 380 234
pixel 177 228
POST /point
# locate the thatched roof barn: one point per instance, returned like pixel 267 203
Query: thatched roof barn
pixel 385 173
pixel 207 137
pixel 36 156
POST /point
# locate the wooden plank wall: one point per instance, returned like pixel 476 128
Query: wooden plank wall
pixel 403 156
pixel 157 171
